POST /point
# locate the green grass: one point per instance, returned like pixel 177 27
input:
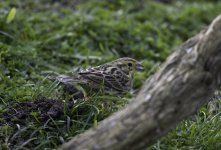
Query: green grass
pixel 64 37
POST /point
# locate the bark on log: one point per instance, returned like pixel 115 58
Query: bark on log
pixel 185 82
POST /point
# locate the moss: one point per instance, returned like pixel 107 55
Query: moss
pixel 62 37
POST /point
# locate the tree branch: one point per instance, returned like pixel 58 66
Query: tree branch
pixel 185 82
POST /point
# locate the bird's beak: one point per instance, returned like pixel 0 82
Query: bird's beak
pixel 139 67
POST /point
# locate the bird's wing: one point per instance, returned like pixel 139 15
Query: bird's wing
pixel 103 78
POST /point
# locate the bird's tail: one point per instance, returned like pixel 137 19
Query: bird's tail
pixel 64 79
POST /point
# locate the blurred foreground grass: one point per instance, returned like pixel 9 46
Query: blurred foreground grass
pixel 64 36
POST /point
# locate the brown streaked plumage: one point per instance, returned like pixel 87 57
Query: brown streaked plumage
pixel 111 78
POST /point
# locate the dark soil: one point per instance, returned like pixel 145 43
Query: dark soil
pixel 40 109
pixel 43 107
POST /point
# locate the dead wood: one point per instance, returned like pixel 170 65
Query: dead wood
pixel 184 82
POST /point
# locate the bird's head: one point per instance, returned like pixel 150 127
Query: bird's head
pixel 128 65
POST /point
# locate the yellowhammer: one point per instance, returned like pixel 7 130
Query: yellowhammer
pixel 111 78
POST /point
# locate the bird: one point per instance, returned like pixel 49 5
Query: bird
pixel 115 77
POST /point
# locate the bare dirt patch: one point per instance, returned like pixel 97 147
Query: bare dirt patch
pixel 40 109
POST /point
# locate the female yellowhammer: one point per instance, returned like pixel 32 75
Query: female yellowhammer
pixel 111 78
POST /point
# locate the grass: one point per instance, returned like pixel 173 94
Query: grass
pixel 62 37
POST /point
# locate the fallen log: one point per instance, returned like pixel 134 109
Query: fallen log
pixel 184 82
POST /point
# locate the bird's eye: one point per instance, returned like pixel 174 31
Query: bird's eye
pixel 129 64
